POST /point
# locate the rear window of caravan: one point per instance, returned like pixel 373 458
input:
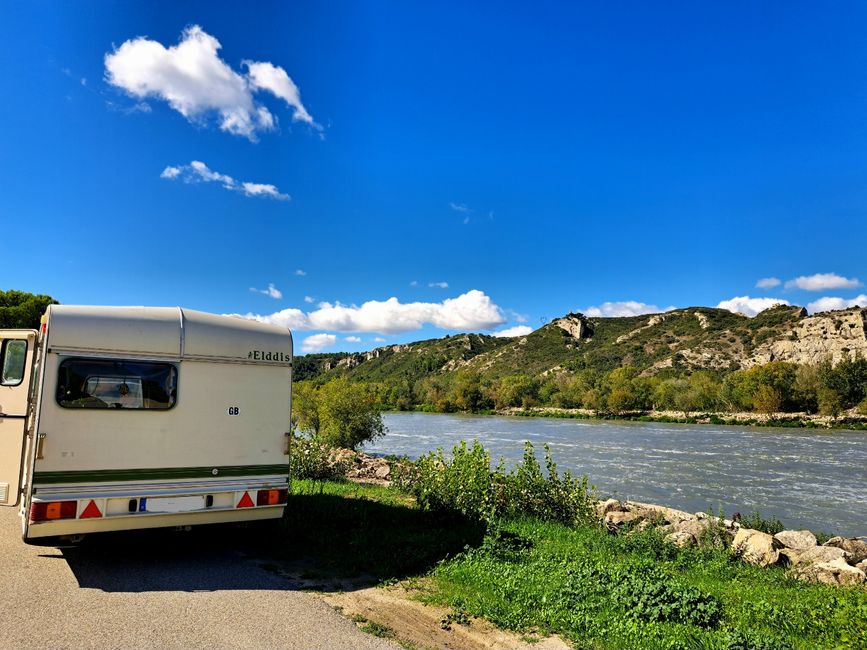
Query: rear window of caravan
pixel 116 384
pixel 14 355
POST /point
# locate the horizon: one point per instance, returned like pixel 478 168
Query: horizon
pixel 378 174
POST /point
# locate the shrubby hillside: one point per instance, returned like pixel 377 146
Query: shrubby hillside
pixel 697 358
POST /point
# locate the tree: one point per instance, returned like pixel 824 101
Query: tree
pixel 339 414
pixel 22 310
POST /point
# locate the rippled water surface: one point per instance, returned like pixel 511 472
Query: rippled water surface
pixel 808 479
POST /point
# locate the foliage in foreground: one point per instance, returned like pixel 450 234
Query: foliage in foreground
pixel 468 485
pixel 22 310
pixel 636 591
pixel 338 414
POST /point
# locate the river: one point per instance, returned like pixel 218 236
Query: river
pixel 807 478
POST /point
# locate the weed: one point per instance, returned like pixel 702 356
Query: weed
pixel 378 629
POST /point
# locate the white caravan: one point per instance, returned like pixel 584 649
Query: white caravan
pixel 118 418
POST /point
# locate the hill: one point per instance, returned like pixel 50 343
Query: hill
pixel 678 341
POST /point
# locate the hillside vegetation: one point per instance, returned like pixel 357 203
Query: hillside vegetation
pixel 694 359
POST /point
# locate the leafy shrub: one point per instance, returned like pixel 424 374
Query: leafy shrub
pixel 468 485
pixel 755 521
pixel 312 459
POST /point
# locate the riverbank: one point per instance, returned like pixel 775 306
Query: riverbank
pixel 538 578
pixel 850 421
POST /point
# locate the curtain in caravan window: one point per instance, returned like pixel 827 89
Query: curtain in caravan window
pixel 116 384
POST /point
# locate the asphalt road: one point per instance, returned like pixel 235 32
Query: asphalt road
pixel 158 589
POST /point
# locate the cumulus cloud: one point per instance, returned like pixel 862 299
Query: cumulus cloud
pixel 271 291
pixel 199 172
pixel 830 303
pixel 517 330
pixel 624 308
pixel 822 281
pixel 309 300
pixel 318 342
pixel 750 306
pixel 193 79
pixel 353 339
pixel 379 339
pixel 300 272
pixel 768 283
pixel 438 285
pixel 473 310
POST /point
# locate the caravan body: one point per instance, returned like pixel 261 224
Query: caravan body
pixel 117 418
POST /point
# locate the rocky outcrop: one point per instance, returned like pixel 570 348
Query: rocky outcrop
pixel 573 325
pixel 857 548
pixel 834 335
pixel 835 572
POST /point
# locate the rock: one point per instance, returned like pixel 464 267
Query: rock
pixel 856 547
pixel 835 572
pixel 862 565
pixel 617 519
pixel 382 471
pixel 692 527
pixel 756 547
pixel 814 555
pixel 681 539
pixel 799 540
pixel 609 505
pixel 669 515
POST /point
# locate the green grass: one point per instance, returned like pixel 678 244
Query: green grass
pixel 594 589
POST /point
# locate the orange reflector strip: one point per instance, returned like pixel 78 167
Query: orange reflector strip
pixel 90 511
pixel 52 510
pixel 245 502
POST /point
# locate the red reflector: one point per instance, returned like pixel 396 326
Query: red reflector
pixel 271 497
pixel 49 510
pixel 245 502
pixel 90 511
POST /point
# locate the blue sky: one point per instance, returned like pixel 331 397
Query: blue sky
pixel 445 167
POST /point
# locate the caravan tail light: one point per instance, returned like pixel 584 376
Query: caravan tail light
pixel 48 510
pixel 271 497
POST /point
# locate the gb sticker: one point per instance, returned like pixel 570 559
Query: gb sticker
pixel 233 410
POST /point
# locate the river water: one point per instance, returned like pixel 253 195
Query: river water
pixel 807 478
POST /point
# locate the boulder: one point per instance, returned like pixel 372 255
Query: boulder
pixel 669 515
pixel 609 505
pixel 693 527
pixel 835 572
pixel 814 555
pixel 617 519
pixel 799 540
pixel 756 547
pixel 862 565
pixel 681 539
pixel 853 545
pixel 383 471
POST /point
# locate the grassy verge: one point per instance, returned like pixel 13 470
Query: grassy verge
pixel 596 590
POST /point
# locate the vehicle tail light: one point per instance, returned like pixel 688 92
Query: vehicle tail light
pixel 49 510
pixel 271 497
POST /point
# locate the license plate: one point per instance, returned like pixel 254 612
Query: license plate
pixel 174 504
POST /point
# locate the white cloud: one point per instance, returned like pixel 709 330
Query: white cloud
pixel 624 308
pixel 473 310
pixel 460 207
pixel 353 339
pixel 271 291
pixel 378 339
pixel 517 330
pixel 517 316
pixel 438 285
pixel 196 82
pixel 750 306
pixel 822 281
pixel 414 283
pixel 830 303
pixel 309 300
pixel 318 342
pixel 199 172
pixel 768 283
pixel 300 272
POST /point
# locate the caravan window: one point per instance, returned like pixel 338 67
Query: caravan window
pixel 118 384
pixel 14 356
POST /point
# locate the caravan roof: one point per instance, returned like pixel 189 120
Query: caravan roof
pixel 170 332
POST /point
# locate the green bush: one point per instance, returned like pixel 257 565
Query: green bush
pixel 468 485
pixel 311 459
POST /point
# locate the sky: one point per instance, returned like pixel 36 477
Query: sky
pixel 369 173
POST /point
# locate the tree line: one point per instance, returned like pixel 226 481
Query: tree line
pixel 774 387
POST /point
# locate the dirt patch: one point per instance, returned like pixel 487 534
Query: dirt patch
pixel 430 626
